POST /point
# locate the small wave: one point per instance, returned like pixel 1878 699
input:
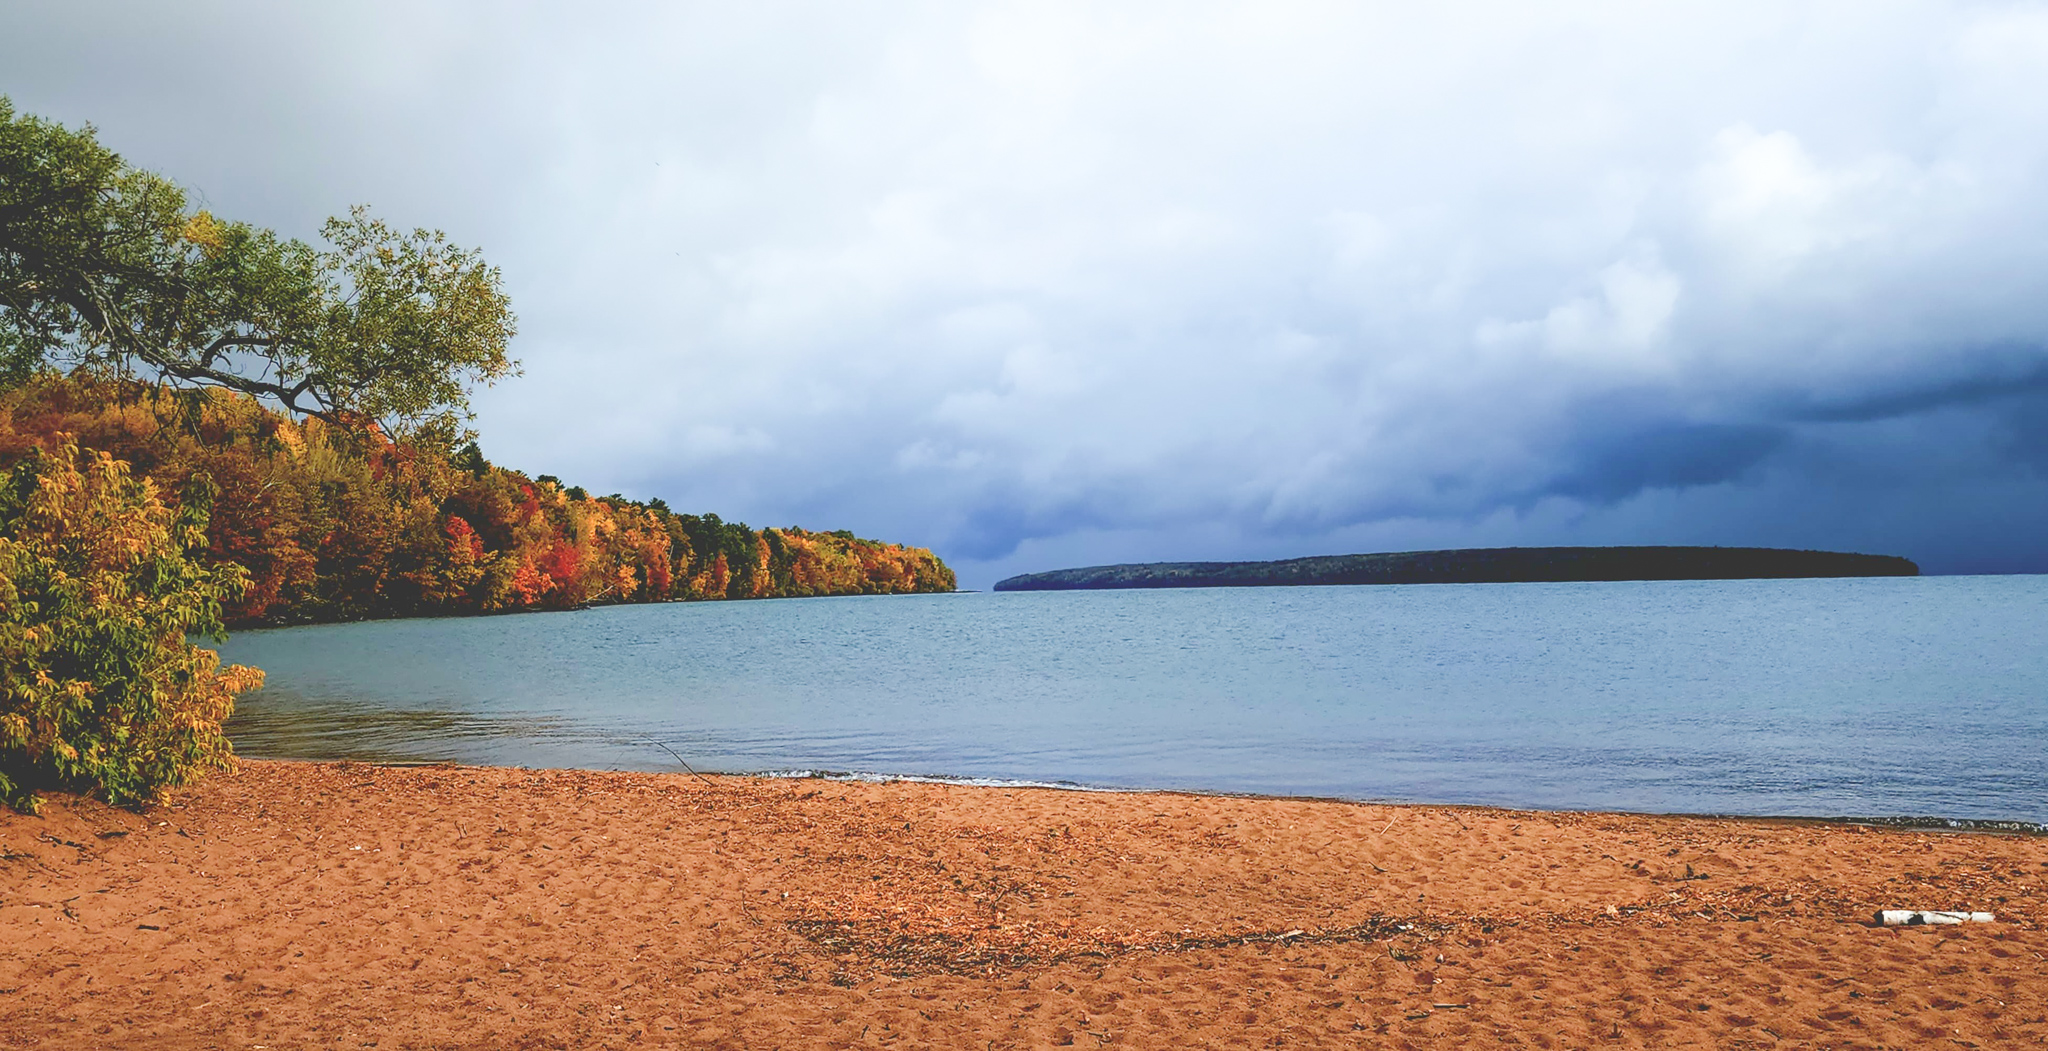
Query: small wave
pixel 872 778
pixel 1956 824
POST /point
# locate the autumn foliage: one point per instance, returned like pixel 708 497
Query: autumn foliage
pixel 332 522
pixel 100 685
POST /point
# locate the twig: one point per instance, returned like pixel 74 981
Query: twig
pixel 679 759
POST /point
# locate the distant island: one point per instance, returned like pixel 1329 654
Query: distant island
pixel 1496 565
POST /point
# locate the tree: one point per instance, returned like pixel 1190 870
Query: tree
pixel 105 270
pixel 100 685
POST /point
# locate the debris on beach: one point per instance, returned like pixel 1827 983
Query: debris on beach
pixel 1921 917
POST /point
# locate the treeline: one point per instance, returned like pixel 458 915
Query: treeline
pixel 1498 565
pixel 336 522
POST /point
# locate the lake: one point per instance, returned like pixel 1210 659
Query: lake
pixel 1867 697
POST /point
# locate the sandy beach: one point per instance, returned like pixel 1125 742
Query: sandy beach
pixel 299 905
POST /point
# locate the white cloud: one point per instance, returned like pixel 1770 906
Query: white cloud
pixel 1618 326
pixel 1769 203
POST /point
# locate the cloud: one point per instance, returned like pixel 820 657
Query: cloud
pixel 1044 283
pixel 1620 324
pixel 1665 456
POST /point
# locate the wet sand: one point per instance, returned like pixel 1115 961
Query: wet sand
pixel 302 905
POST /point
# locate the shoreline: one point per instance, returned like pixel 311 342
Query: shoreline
pixel 587 607
pixel 1910 822
pixel 299 902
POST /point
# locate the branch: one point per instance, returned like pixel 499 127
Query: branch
pixel 214 349
pixel 679 759
pixel 288 396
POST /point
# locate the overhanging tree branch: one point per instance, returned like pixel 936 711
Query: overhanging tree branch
pixel 102 267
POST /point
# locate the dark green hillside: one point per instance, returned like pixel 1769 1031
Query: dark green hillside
pixel 1476 566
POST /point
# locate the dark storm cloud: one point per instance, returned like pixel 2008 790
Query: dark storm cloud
pixel 2023 428
pixel 2028 374
pixel 1042 284
pixel 1665 456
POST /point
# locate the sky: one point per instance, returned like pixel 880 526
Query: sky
pixel 1042 284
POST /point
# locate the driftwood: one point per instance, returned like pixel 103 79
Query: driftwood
pixel 679 759
pixel 1918 917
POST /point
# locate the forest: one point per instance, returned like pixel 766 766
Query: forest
pixel 335 522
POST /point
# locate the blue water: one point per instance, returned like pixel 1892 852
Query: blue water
pixel 1885 696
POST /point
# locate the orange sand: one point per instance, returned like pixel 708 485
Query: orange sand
pixel 300 905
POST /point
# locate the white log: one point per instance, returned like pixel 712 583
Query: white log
pixel 1917 917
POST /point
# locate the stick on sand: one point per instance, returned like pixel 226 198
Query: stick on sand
pixel 679 759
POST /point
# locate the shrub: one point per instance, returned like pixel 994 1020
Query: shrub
pixel 101 687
